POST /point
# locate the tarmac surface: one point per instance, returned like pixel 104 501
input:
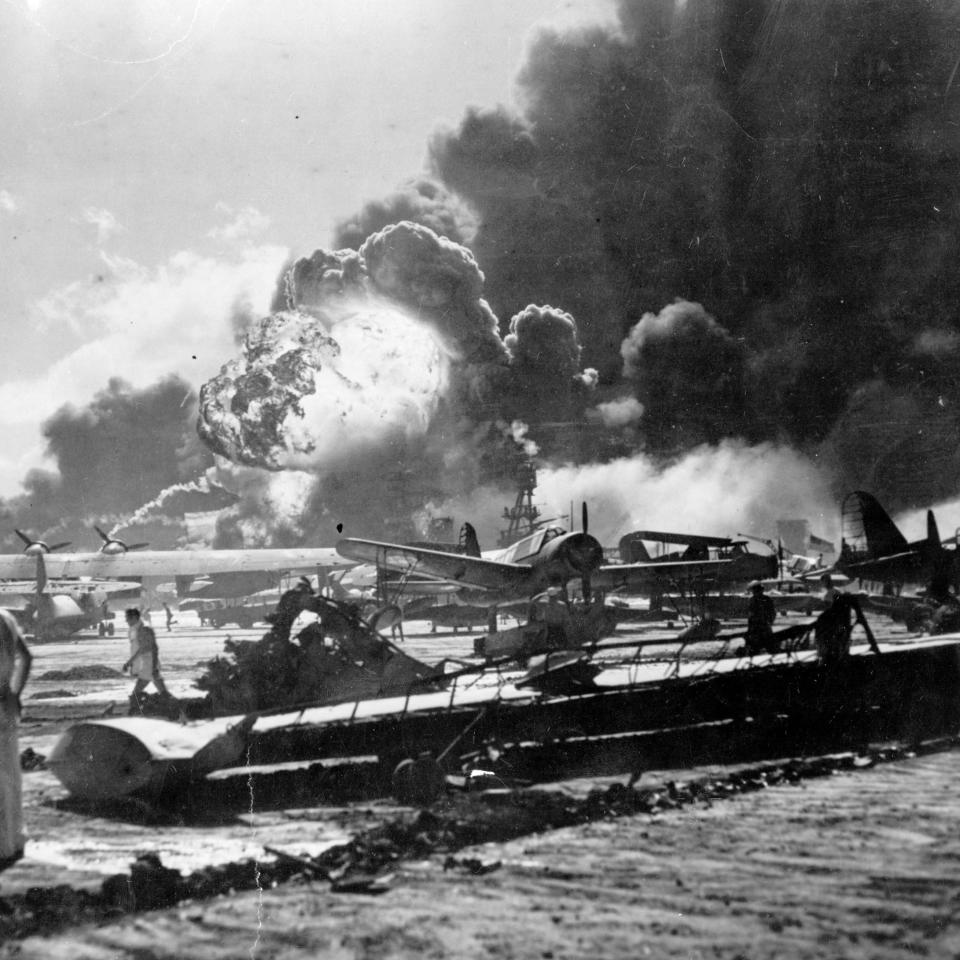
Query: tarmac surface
pixel 863 863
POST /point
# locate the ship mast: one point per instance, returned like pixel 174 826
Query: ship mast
pixel 522 518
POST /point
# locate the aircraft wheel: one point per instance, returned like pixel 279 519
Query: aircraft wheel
pixel 110 629
pixel 418 782
pixel 101 629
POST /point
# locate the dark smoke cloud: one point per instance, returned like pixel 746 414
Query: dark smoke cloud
pixel 422 201
pixel 688 373
pixel 791 166
pixel 111 457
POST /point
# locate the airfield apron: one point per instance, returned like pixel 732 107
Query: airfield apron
pixel 11 804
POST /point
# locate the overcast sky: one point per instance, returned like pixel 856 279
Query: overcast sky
pixel 162 158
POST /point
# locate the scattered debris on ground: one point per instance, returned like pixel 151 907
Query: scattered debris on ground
pixel 51 695
pixel 367 862
pixel 90 671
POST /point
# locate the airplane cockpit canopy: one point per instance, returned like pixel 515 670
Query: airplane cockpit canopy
pixel 530 546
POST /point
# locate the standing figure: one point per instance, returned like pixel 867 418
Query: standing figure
pixel 833 628
pixel 946 607
pixel 15 662
pixel 144 662
pixel 550 609
pixel 760 618
pixel 830 592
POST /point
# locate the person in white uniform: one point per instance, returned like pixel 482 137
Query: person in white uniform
pixel 144 662
pixel 15 660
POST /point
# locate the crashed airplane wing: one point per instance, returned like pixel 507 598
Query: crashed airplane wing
pixel 172 563
pixel 474 571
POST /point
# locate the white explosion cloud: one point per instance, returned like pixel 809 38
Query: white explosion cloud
pixel 313 389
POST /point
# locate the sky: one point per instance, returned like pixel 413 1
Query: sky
pixel 163 160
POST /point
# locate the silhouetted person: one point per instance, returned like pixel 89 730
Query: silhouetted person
pixel 550 609
pixel 946 606
pixel 760 618
pixel 15 662
pixel 832 629
pixel 830 592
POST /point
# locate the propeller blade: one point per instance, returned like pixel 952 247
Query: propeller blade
pixel 60 546
pixel 137 546
pixel 584 517
pixel 27 540
pixel 586 588
pixel 103 536
pixel 41 575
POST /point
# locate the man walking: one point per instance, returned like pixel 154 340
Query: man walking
pixel 144 662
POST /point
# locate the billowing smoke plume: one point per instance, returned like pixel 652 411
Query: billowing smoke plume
pixel 688 373
pixel 110 457
pixel 745 215
pixel 422 201
pixel 724 489
pixel 791 167
pixel 384 376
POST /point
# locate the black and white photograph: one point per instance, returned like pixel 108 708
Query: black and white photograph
pixel 480 480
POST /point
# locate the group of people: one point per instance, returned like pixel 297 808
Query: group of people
pixel 832 629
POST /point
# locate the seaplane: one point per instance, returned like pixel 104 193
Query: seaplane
pixel 57 609
pixel 117 560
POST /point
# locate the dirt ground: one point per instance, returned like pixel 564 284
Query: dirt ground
pixel 860 864
pixel 864 863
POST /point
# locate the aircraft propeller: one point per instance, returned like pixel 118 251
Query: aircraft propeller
pixel 37 547
pixel 113 545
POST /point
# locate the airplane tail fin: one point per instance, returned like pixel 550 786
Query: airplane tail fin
pixel 867 528
pixel 632 549
pixel 933 534
pixel 468 540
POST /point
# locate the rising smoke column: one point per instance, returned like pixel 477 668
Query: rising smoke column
pixel 111 456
